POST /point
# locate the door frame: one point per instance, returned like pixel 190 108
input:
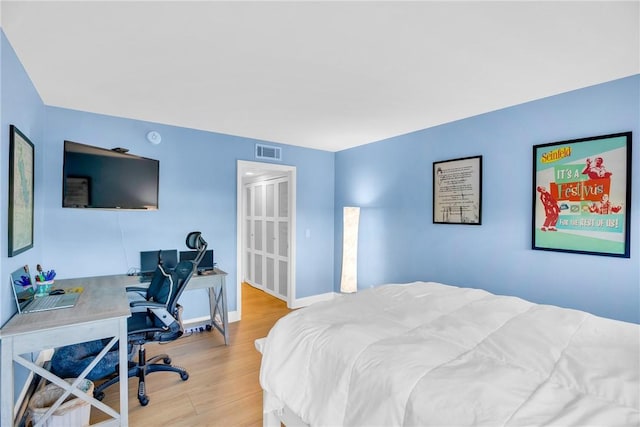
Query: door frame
pixel 245 166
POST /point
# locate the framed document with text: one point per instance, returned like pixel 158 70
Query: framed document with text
pixel 457 191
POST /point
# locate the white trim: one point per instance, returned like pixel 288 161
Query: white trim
pixel 243 167
pixel 188 323
pixel 306 301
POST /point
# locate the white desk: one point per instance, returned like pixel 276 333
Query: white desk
pixel 101 312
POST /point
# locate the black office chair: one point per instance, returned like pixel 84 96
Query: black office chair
pixel 160 321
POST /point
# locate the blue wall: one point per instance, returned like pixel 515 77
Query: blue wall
pixel 21 106
pixel 197 192
pixel 391 181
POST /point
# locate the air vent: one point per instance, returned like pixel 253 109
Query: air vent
pixel 268 152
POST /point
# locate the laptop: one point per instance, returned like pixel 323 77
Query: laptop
pixel 27 301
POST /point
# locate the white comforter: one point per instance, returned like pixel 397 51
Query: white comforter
pixel 427 354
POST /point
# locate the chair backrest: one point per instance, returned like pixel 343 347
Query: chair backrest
pixel 163 283
pixel 170 285
pixel 180 277
pixel 168 317
pixel 161 286
pixel 197 243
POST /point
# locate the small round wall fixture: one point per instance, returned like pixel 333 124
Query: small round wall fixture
pixel 154 137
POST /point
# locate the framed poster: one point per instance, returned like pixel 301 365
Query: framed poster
pixel 582 195
pixel 21 173
pixel 457 191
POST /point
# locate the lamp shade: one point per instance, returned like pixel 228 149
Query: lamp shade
pixel 351 220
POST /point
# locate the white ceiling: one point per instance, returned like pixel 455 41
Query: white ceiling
pixel 328 75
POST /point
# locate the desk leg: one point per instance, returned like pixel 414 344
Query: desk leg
pixel 218 307
pixel 124 370
pixel 7 382
pixel 225 313
pixel 9 358
pixel 212 306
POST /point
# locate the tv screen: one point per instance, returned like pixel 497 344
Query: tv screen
pixel 95 177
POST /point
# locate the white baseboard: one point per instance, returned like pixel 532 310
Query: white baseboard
pixel 306 301
pixel 233 317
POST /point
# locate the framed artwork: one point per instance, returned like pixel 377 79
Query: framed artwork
pixel 76 191
pixel 21 178
pixel 582 195
pixel 457 191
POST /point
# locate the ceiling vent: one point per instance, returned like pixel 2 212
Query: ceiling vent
pixel 268 152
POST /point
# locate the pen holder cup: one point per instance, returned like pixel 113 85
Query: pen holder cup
pixel 43 288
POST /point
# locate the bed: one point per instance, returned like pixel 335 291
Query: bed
pixel 429 354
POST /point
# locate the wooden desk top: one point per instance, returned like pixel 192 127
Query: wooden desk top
pixel 103 297
pixel 213 272
pixel 197 281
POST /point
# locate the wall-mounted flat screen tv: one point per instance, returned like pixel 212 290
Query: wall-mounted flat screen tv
pixel 99 178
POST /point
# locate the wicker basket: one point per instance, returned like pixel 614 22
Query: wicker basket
pixel 73 411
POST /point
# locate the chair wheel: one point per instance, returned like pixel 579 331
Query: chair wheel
pixel 142 395
pixel 184 376
pixel 99 395
pixel 167 360
pixel 208 328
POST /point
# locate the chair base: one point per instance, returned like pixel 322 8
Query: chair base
pixel 140 370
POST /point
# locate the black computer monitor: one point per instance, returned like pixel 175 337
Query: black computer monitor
pixel 206 264
pixel 149 260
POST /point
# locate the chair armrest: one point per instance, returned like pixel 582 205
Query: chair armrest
pixel 139 292
pixel 146 304
pixel 135 289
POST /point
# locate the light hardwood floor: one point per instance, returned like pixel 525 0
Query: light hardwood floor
pixel 223 387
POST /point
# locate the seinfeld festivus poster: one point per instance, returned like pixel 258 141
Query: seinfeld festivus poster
pixel 582 195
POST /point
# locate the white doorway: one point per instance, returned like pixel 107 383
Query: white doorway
pixel 266 212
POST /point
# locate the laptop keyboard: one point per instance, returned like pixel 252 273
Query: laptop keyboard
pixel 44 303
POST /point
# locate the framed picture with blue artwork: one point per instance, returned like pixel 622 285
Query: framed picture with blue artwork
pixel 582 195
pixel 21 182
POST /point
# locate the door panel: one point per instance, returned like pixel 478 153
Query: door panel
pixel 257 270
pixel 257 232
pixel 283 277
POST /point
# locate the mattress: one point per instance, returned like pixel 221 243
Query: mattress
pixel 429 354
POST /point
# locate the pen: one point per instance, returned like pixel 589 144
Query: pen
pixel 44 276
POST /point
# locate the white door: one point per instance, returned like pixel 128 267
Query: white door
pixel 267 237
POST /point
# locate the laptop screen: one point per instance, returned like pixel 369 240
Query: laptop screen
pixel 206 263
pixel 149 260
pixel 22 287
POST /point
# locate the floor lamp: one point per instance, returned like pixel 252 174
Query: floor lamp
pixel 351 219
